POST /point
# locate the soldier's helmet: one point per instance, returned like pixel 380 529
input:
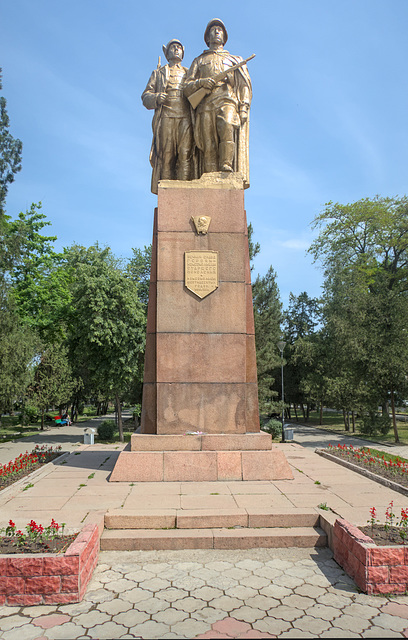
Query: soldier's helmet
pixel 167 46
pixel 214 21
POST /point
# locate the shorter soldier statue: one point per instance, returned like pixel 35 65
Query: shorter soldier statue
pixel 172 147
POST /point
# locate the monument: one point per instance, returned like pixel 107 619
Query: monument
pixel 200 418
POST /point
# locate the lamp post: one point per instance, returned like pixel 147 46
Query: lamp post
pixel 281 346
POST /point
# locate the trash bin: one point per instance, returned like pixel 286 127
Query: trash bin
pixel 288 432
pixel 89 435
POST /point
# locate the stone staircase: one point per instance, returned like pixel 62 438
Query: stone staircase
pixel 220 529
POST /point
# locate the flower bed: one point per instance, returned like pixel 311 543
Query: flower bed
pixel 25 463
pixel 28 579
pixel 395 470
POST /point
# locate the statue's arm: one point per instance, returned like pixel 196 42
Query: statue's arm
pixel 193 82
pixel 150 94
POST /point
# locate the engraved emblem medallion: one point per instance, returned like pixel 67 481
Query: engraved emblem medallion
pixel 201 224
pixel 201 272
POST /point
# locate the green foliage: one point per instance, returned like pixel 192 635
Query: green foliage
pixel 138 269
pixel 106 430
pixel 372 424
pixel 10 152
pixel 29 415
pixel 267 317
pixel 272 426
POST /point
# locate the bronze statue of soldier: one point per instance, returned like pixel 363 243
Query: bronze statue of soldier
pixel 221 119
pixel 172 146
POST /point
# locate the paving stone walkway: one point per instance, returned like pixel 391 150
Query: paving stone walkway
pixel 258 593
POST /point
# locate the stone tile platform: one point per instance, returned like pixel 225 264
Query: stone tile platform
pixel 201 458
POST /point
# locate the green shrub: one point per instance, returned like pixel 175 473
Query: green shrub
pixel 29 415
pixel 106 430
pixel 372 424
pixel 89 411
pixel 272 426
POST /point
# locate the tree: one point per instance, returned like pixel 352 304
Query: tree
pixel 106 324
pixel 53 381
pixel 10 152
pixel 300 321
pixel 363 248
pixel 267 317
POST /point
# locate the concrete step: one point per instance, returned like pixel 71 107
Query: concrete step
pixel 209 518
pixel 240 538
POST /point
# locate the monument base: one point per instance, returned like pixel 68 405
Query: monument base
pixel 200 458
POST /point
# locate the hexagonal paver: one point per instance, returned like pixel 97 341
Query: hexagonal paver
pixel 92 618
pixel 150 629
pixel 272 625
pixel 226 603
pixel 172 594
pixel 170 616
pixel 300 602
pixel 151 605
pixel 155 584
pixel 188 583
pixel 26 632
pixel 32 612
pixel 351 623
pixel 249 564
pixel 139 575
pixel 256 582
pixel 100 595
pixel 132 617
pixel 311 625
pixel 78 607
pixel 248 614
pixel 67 630
pixel 189 628
pixel 310 590
pixel 13 621
pixel 188 566
pixel 262 602
pixel 221 565
pixel 206 593
pixel 208 614
pixel 286 613
pixel 361 610
pixel 334 600
pixel 119 585
pixel 267 572
pixel 241 592
pixel 236 573
pixel 288 581
pixel 323 612
pixel 275 591
pixel 391 623
pixel 277 563
pixel 113 607
pixel 106 631
pixel 189 604
pixel 136 595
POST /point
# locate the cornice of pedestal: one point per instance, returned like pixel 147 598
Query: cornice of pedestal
pixel 215 180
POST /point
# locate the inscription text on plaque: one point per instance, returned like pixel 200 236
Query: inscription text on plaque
pixel 201 272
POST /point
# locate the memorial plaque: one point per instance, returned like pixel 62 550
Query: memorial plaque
pixel 201 272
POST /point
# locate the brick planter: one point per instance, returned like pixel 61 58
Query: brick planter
pixel 375 569
pixel 30 579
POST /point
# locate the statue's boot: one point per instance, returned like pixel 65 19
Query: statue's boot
pixel 226 151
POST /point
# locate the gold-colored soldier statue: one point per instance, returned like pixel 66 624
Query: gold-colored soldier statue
pixel 221 101
pixel 172 146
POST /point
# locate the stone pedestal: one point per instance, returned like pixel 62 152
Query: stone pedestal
pixel 200 364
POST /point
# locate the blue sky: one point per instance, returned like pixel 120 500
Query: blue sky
pixel 328 118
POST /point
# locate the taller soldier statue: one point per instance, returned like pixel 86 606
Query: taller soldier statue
pixel 172 147
pixel 221 118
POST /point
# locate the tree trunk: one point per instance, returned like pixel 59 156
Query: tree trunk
pixel 119 414
pixel 294 408
pixel 394 419
pixel 353 419
pixel 346 427
pixel 385 408
pixel 42 419
pixel 307 412
pixel 321 413
pixel 303 410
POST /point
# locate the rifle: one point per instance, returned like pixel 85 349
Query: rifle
pixel 198 95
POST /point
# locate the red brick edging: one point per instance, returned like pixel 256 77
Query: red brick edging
pixel 375 570
pixel 30 579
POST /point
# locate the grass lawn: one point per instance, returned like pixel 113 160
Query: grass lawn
pixel 333 421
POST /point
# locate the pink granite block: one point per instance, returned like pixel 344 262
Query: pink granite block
pixel 43 585
pixel 27 566
pixel 61 598
pixel 265 465
pixel 156 442
pixel 138 467
pixel 24 600
pixel 190 466
pixel 236 441
pixel 229 465
pixel 60 565
pixel 48 622
pixel 69 583
pixel 211 518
